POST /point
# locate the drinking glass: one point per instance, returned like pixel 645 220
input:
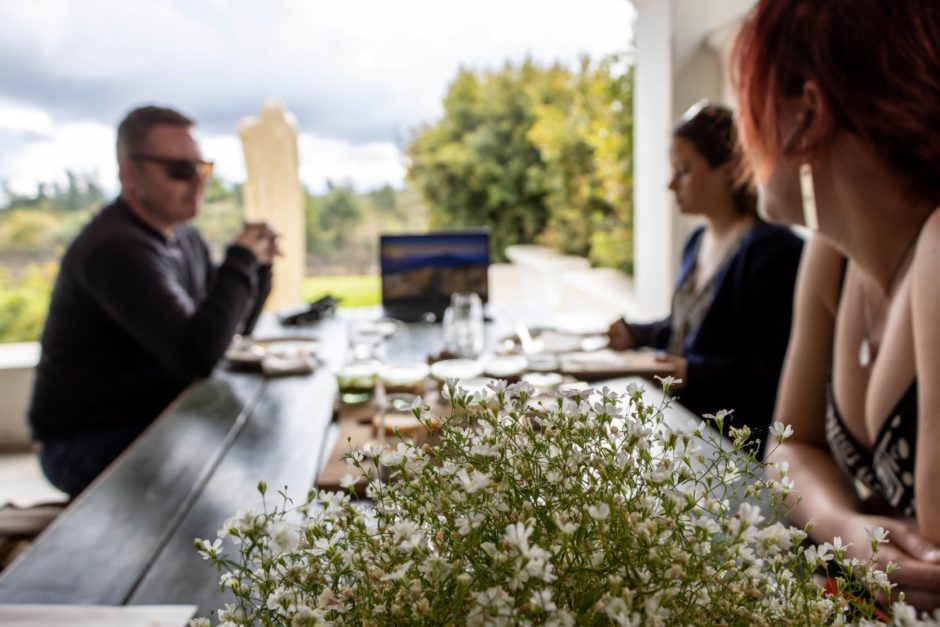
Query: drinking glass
pixel 357 381
pixel 463 325
pixel 403 382
pixel 365 339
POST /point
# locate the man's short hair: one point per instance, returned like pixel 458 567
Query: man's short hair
pixel 133 129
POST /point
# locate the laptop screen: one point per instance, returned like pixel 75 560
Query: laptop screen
pixel 420 272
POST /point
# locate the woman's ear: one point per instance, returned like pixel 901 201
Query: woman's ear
pixel 810 121
pixel 816 117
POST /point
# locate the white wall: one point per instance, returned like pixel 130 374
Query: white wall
pixel 701 30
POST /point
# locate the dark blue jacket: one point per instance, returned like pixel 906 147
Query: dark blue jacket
pixel 736 353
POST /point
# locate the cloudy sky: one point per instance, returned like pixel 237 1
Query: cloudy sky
pixel 359 75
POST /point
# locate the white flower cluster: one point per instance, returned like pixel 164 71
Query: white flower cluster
pixel 582 510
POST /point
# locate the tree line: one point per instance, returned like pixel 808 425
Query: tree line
pixel 538 154
pixel 38 226
pixel 342 230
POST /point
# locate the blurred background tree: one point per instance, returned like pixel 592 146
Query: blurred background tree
pixel 24 302
pixel 538 154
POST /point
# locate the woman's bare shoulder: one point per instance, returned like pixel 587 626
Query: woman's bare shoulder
pixel 926 262
pixel 930 233
pixel 925 297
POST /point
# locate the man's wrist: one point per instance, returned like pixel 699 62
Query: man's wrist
pixel 240 252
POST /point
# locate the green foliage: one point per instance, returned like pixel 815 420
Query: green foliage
pixel 218 192
pixel 352 291
pixel 79 193
pixel 343 226
pixel 48 220
pixel 332 217
pixel 221 216
pixel 588 147
pixel 342 233
pixel 537 154
pixel 384 200
pixel 27 230
pixel 23 303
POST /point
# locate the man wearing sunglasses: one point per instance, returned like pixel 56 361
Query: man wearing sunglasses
pixel 139 310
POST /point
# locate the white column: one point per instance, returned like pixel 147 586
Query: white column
pixel 655 257
pixel 273 192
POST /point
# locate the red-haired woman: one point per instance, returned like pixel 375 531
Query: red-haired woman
pixel 840 114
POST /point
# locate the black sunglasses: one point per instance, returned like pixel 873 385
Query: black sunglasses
pixel 180 169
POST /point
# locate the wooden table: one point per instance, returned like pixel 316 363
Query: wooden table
pixel 128 539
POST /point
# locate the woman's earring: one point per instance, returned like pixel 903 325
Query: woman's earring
pixel 810 219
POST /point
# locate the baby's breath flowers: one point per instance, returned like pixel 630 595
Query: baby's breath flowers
pixel 585 509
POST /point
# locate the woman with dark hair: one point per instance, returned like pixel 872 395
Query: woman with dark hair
pixel 840 114
pixel 730 319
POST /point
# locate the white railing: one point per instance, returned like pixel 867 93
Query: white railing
pixel 566 289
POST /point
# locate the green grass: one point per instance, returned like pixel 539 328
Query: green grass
pixel 353 291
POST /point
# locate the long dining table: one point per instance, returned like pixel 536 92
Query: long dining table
pixel 128 538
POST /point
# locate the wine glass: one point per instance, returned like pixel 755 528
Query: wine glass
pixel 463 325
pixel 365 338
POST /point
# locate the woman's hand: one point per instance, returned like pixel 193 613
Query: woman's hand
pixel 917 558
pixel 620 336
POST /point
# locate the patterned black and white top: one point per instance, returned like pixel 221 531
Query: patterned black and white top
pixel 888 469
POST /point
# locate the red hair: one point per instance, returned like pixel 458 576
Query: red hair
pixel 877 65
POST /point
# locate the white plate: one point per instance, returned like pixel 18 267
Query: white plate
pixel 404 373
pixel 594 342
pixel 552 341
pixel 277 365
pixel 251 352
pixel 543 381
pixel 506 366
pixel 456 369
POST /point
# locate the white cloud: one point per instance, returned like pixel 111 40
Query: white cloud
pixel 20 119
pixel 359 75
pixel 226 152
pixel 81 147
pixel 366 166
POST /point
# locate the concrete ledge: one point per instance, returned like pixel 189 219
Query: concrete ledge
pixel 17 368
pixel 15 355
pixel 526 254
pixel 604 292
pixel 505 284
pixel 22 482
pixel 541 272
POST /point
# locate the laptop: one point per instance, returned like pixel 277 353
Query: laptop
pixel 421 271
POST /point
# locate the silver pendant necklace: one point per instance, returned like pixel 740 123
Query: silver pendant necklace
pixel 864 348
pixel 864 353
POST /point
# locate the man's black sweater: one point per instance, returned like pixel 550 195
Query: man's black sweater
pixel 135 317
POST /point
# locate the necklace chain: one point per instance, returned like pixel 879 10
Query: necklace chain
pixel 866 351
